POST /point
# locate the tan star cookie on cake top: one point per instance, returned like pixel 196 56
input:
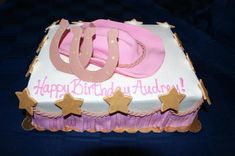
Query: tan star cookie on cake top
pixel 171 100
pixel 118 102
pixel 26 101
pixel 70 105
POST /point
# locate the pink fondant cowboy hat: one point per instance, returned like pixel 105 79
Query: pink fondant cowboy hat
pixel 140 51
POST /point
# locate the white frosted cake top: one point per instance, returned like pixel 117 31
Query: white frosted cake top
pixel 46 84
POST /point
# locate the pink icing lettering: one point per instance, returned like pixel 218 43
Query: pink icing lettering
pixel 78 87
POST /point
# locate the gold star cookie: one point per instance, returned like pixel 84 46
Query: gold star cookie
pixel 26 101
pixel 134 22
pixel 204 92
pixel 52 24
pixel 179 42
pixel 118 102
pixel 171 100
pixel 165 24
pixel 44 39
pixel 70 105
pixel 190 62
pixel 31 66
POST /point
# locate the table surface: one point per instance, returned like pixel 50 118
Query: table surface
pixel 21 29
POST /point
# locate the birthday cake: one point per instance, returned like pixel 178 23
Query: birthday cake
pixel 105 76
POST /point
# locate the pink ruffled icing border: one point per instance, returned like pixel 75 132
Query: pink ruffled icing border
pixel 113 122
pixel 102 114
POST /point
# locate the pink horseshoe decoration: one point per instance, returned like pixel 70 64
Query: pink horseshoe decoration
pixel 54 52
pixel 102 74
pixel 85 54
pixel 86 51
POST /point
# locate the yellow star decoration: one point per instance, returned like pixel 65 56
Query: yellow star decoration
pixel 134 22
pixel 118 102
pixel 190 62
pixel 26 101
pixel 165 24
pixel 70 105
pixel 31 66
pixel 41 44
pixel 171 100
pixel 52 24
pixel 179 42
pixel 204 92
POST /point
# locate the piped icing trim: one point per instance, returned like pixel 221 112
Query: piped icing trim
pixel 119 102
pixel 102 114
pixel 117 122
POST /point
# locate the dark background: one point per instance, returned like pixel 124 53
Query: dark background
pixel 206 28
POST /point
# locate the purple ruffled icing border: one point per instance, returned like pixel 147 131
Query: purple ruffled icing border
pixel 115 121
